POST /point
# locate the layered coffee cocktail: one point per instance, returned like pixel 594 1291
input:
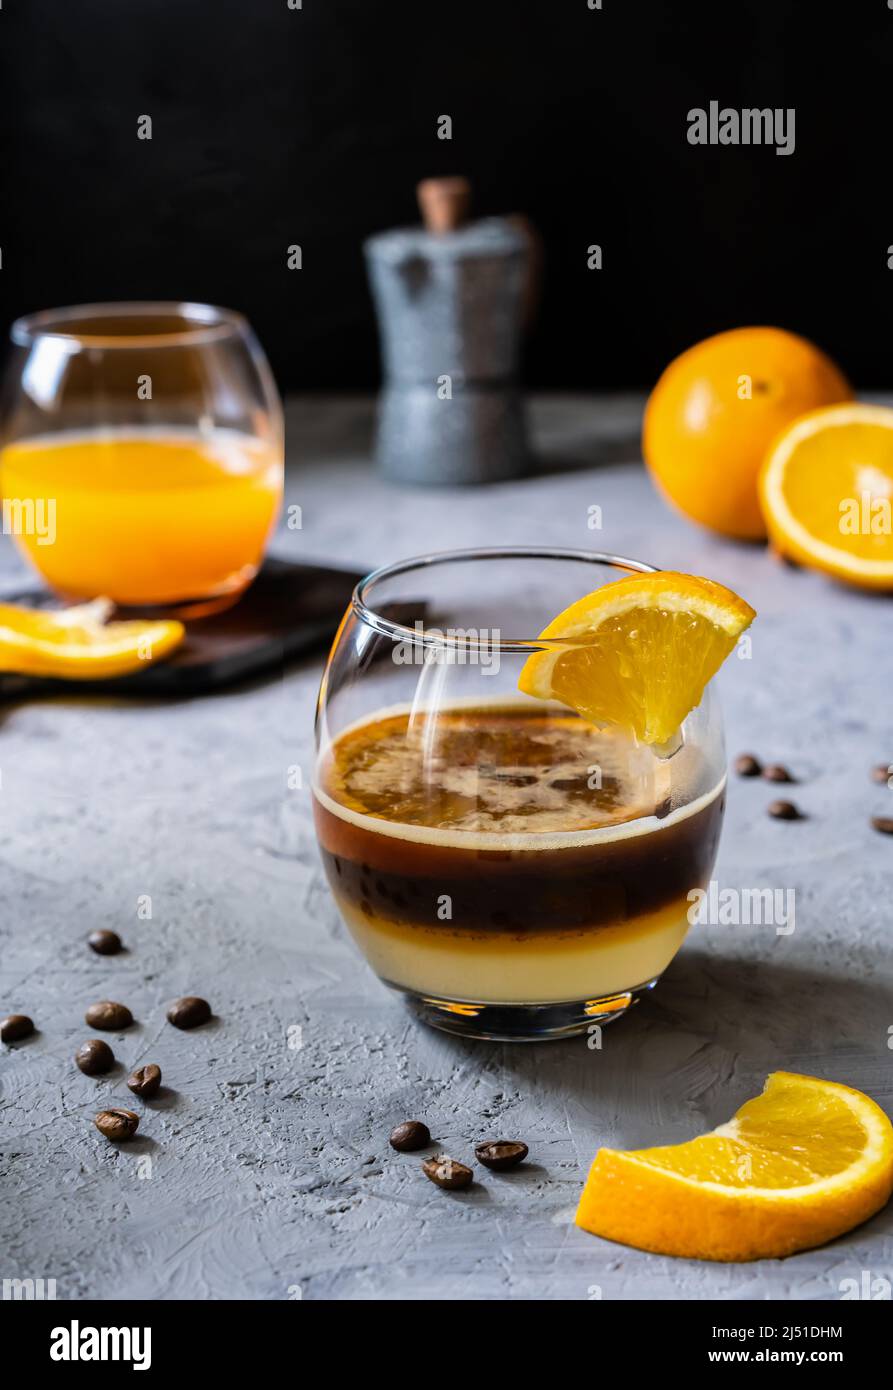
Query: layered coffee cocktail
pixel 515 869
pixel 506 854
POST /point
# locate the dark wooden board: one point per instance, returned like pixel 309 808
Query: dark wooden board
pixel 288 611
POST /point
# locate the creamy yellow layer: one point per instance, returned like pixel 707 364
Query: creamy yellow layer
pixel 495 968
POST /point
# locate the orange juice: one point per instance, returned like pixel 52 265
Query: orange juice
pixel 144 517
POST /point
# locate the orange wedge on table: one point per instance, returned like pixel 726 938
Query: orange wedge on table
pixel 798 1165
pixel 826 489
pixel 639 651
pixel 78 644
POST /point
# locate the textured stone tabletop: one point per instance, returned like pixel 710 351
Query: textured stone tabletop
pixel 262 1170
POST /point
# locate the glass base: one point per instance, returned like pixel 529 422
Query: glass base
pixel 520 1022
pixel 186 608
pixel 202 606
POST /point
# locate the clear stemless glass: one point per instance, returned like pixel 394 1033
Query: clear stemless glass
pixel 142 452
pixel 516 872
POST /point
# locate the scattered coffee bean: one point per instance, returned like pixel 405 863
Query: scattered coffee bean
pixel 446 1172
pixel 94 1057
pixel 783 810
pixel 776 773
pixel 189 1012
pixel 746 765
pixel 144 1082
pixel 117 1124
pixel 500 1154
pixel 882 773
pixel 883 823
pixel 104 943
pixel 412 1134
pixel 109 1016
pixel 15 1027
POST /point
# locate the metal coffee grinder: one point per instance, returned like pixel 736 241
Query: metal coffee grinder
pixel 450 298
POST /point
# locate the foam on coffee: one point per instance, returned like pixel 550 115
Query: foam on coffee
pixel 497 774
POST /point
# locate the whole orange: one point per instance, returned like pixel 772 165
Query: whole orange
pixel 715 411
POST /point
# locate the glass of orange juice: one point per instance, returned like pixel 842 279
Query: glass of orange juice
pixel 142 453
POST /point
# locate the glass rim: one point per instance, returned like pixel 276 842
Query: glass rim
pixel 202 323
pixel 388 627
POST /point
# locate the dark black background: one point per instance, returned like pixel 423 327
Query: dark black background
pixel 274 126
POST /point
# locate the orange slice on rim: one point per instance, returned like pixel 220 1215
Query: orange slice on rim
pixel 638 652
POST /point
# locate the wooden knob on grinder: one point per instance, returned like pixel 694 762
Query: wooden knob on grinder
pixel 444 203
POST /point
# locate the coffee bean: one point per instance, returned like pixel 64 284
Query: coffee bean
pixel 883 823
pixel 104 943
pixel 145 1081
pixel 783 810
pixel 776 773
pixel 746 765
pixel 94 1057
pixel 500 1154
pixel 109 1016
pixel 446 1172
pixel 412 1134
pixel 15 1027
pixel 117 1124
pixel 882 773
pixel 189 1012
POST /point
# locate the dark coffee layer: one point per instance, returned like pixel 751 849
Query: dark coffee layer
pixel 518 891
pixel 583 882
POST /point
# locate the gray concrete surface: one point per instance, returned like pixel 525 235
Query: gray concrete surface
pixel 262 1170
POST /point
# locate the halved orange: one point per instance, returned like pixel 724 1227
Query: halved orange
pixel 638 652
pixel 798 1165
pixel 826 489
pixel 78 644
